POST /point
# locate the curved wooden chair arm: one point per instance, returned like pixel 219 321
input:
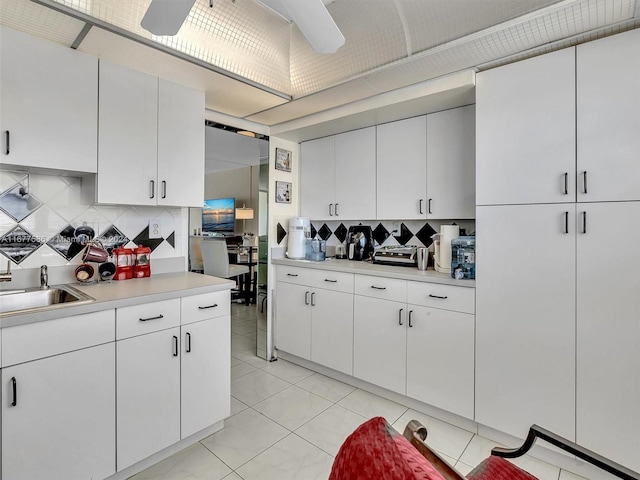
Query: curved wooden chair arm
pixel 574 449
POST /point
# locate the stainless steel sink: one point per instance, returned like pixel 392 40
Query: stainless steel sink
pixel 35 299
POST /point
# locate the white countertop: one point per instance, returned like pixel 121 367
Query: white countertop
pixel 367 268
pixel 123 293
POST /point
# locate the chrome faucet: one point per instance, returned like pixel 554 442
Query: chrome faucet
pixel 6 276
pixel 44 277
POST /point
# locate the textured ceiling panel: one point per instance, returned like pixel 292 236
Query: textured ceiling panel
pixel 222 93
pixel 39 21
pixel 374 36
pixel 432 22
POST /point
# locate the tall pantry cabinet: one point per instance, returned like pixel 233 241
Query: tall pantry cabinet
pixel 557 329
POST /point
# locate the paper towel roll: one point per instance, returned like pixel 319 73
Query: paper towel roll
pixel 447 233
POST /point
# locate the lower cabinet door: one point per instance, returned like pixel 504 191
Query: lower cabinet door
pixel 206 374
pixel 148 395
pixel 75 390
pixel 332 330
pixel 293 319
pixel 380 342
pixel 440 358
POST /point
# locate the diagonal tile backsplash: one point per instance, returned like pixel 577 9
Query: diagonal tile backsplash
pixel 39 214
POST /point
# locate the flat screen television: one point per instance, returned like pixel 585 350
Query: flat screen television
pixel 218 216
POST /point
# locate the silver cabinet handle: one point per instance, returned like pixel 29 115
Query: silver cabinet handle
pixel 313 299
pixel 151 318
pixel 584 222
pixel 14 391
pixel 566 183
pixel 421 202
pixel 584 181
pixel 164 189
pixel 336 209
pixel 152 188
pixel 188 342
pixel 429 206
pixel 566 222
pixel 175 346
pixel 331 209
pixel 306 298
pixel 400 316
pixel 410 314
pixel 438 296
pixel 7 137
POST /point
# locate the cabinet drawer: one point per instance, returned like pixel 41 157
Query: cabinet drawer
pixel 147 317
pixel 24 343
pixel 204 306
pixel 446 297
pixel 338 281
pixel 297 275
pixel 381 287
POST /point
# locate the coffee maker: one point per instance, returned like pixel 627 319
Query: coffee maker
pixel 360 242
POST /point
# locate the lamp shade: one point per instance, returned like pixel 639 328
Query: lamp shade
pixel 244 213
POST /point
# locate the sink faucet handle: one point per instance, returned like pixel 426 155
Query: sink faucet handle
pixel 44 277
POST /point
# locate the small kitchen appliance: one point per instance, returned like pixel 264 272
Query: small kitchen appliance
pixel 463 258
pixel 401 255
pixel 442 246
pixel 341 251
pixel 316 250
pixel 124 263
pixel 142 267
pixel 359 242
pixel 299 232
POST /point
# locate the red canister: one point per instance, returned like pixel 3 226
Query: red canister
pixel 124 263
pixel 142 267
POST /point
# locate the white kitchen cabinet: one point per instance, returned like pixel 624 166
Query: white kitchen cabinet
pixel 128 136
pixel 314 317
pixel 180 145
pixel 148 398
pixel 402 169
pixel 608 118
pixel 451 164
pixel 48 104
pixel 58 416
pixel 206 374
pixel 150 141
pixel 338 176
pixel 317 192
pixel 608 332
pixel 525 131
pixel 525 318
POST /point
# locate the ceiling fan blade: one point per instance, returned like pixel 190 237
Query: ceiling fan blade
pixel 316 24
pixel 165 17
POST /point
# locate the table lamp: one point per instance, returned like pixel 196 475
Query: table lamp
pixel 244 214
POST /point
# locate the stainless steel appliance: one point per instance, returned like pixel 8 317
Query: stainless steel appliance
pixel 359 242
pixel 402 255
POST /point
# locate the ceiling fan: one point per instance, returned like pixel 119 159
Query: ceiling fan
pixel 165 17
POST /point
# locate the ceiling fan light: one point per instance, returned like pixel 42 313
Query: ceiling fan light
pixel 165 17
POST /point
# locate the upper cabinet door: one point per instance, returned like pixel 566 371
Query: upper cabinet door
pixel 355 175
pixel 317 192
pixel 180 145
pixel 48 104
pixel 402 169
pixel 525 131
pixel 608 123
pixel 451 163
pixel 128 136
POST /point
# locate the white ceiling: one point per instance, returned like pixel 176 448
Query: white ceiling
pixel 255 66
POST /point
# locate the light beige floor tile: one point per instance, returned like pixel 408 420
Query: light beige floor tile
pixel 369 405
pixel 565 475
pixel 292 407
pixel 326 387
pixel 537 468
pixel 287 371
pixel 290 459
pixel 237 406
pixel 232 476
pixel 256 386
pixel 330 429
pixel 241 369
pixel 195 461
pixel 478 449
pixel 442 437
pixel 250 357
pixel 235 361
pixel 244 436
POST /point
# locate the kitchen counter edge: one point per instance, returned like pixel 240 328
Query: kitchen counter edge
pixel 367 268
pixel 117 294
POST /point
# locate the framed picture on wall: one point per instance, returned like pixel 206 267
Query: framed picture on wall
pixel 283 160
pixel 283 192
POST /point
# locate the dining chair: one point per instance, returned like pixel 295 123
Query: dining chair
pixel 215 259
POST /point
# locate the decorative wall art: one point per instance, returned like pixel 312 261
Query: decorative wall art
pixel 283 160
pixel 283 192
